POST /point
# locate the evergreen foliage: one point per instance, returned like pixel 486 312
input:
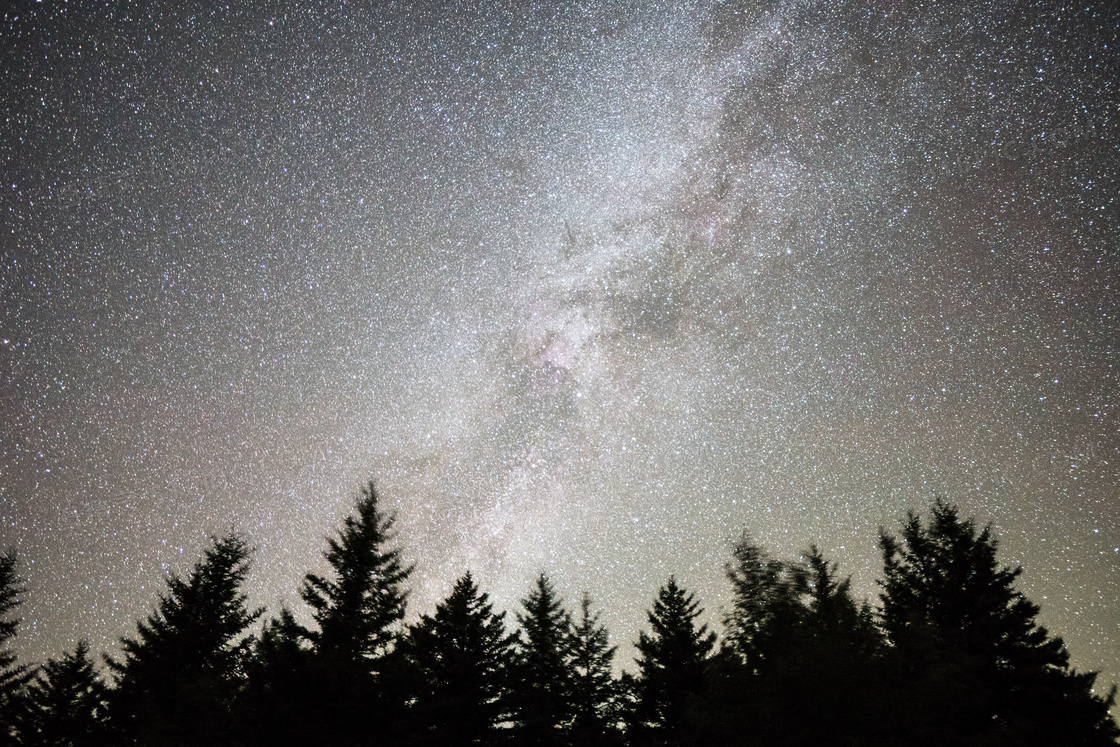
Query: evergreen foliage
pixel 954 655
pixel 672 659
pixel 359 611
pixel 182 673
pixel 65 704
pixel 542 695
pixel 969 649
pixel 280 698
pixel 765 596
pixel 795 667
pixel 462 655
pixel 13 676
pixel 595 692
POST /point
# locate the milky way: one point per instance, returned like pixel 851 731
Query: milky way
pixel 587 291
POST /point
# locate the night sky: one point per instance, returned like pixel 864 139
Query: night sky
pixel 587 290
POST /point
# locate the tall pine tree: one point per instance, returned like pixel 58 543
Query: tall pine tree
pixel 359 608
pixel 969 648
pixel 542 673
pixel 462 655
pixel 13 676
pixel 766 597
pixel 672 659
pixel 595 696
pixel 182 673
pixel 65 704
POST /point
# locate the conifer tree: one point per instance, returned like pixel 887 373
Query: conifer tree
pixel 766 597
pixel 280 696
pixel 594 688
pixel 462 655
pixel 672 659
pixel 832 615
pixel 818 666
pixel 13 676
pixel 970 649
pixel 542 673
pixel 359 609
pixel 65 704
pixel 181 674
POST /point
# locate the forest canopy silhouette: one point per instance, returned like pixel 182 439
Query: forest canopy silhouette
pixel 950 654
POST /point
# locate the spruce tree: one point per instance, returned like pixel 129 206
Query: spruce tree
pixel 766 595
pixel 594 688
pixel 815 682
pixel 360 607
pixel 462 655
pixel 65 704
pixel 672 659
pixel 13 676
pixel 542 673
pixel 969 649
pixel 181 674
pixel 279 699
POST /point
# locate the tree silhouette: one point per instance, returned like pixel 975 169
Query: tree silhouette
pixel 358 609
pixel 671 664
pixel 280 697
pixel 542 677
pixel 765 598
pixel 969 648
pixel 181 674
pixel 462 654
pixel 594 688
pixel 13 676
pixel 65 704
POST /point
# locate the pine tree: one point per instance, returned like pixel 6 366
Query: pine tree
pixel 13 676
pixel 279 699
pixel 65 704
pixel 359 611
pixel 832 615
pixel 181 674
pixel 969 648
pixel 818 669
pixel 672 659
pixel 594 688
pixel 765 597
pixel 463 655
pixel 542 672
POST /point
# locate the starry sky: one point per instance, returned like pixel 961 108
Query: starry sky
pixel 587 289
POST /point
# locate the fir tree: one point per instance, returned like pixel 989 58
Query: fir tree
pixel 817 668
pixel 462 654
pixel 594 688
pixel 672 659
pixel 360 608
pixel 765 597
pixel 181 674
pixel 65 704
pixel 281 691
pixel 969 648
pixel 543 678
pixel 13 676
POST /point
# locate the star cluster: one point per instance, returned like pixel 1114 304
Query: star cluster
pixel 587 289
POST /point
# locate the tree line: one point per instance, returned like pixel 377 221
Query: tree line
pixel 951 655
